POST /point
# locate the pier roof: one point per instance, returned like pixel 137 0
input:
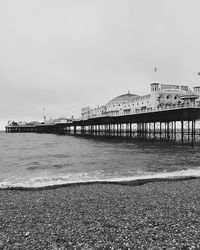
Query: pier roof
pixel 124 97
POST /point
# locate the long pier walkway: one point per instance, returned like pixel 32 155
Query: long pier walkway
pixel 180 125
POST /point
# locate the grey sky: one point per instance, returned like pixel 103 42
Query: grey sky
pixel 64 55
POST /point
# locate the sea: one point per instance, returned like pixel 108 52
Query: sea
pixel 33 160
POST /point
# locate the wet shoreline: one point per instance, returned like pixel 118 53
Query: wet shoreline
pixel 128 182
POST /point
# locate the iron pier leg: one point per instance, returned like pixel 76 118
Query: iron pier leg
pixel 145 130
pixel 160 131
pixel 175 131
pixel 154 131
pixel 193 133
pixel 188 131
pixel 117 129
pixel 182 131
pixel 126 131
pixel 143 135
pixel 172 130
pixel 149 130
pixel 168 136
pixel 139 129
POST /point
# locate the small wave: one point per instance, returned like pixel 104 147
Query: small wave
pixel 33 168
pixel 50 166
pixel 84 178
pixel 61 155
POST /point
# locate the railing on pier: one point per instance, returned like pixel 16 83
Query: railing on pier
pixel 141 111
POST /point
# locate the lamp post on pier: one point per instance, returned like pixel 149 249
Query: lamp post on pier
pixel 44 115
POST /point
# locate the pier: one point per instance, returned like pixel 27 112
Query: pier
pixel 180 125
pixel 169 113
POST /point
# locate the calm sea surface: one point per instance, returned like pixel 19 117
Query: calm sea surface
pixel 45 159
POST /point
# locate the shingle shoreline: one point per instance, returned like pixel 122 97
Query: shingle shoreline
pixel 156 215
pixel 136 182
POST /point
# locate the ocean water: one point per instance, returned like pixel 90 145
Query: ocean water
pixel 38 160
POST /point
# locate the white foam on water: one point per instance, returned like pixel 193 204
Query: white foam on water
pixel 45 181
pixel 164 175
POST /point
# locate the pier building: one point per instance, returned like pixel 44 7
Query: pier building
pixel 162 96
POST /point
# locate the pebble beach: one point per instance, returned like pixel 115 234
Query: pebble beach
pixel 155 215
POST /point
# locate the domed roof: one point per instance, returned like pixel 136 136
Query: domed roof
pixel 123 98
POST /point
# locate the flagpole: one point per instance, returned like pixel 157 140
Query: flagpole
pixel 155 70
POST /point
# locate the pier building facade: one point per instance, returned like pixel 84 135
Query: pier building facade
pixel 161 97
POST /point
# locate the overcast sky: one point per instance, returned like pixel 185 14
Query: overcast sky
pixel 67 54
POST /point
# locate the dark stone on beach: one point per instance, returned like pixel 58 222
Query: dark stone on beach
pixel 102 216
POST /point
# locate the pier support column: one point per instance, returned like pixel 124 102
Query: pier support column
pixel 146 127
pixel 193 133
pixel 182 132
pixel 126 129
pixel 160 131
pixel 171 132
pixel 117 129
pixel 168 136
pixel 188 131
pixel 95 129
pixel 175 131
pixel 82 130
pixel 99 129
pixel 149 130
pixel 142 130
pixel 138 130
pixel 154 131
